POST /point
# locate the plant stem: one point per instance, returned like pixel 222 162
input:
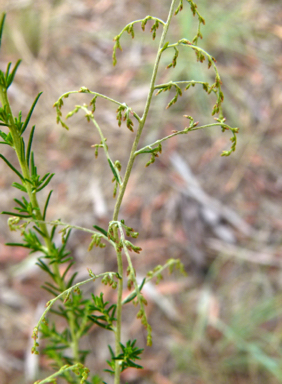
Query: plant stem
pixel 126 178
pixel 119 316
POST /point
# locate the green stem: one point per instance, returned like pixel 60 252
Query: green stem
pixel 126 178
pixel 119 316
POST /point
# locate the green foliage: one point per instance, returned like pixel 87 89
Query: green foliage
pixel 107 317
pixel 129 353
pixel 79 313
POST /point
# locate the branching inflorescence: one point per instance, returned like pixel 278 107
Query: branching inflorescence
pixel 37 234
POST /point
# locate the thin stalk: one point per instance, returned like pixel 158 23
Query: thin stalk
pixel 68 226
pixel 103 140
pixel 119 316
pixel 126 178
pixel 86 90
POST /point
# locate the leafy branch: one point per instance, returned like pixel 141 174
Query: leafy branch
pixel 156 148
pixel 129 28
pixel 78 369
pixel 66 296
pixel 129 353
pixel 194 10
pixel 201 55
pixel 60 102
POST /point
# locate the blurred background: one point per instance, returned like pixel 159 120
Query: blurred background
pixel 221 216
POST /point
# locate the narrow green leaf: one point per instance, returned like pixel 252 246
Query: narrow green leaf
pixel 113 170
pixel 29 145
pixel 25 200
pixel 67 269
pixel 2 26
pixel 65 243
pixel 7 72
pixel 44 177
pixel 134 294
pixel 108 370
pixel 15 214
pixel 20 203
pixel 30 113
pixel 22 150
pixel 10 78
pixel 45 268
pixel 53 287
pixel 134 365
pixel 63 260
pixel 71 280
pixel 18 245
pixel 3 135
pixel 46 182
pixel 12 167
pixel 53 231
pixel 101 230
pixel 39 231
pixel 102 325
pixel 46 205
pixel 33 167
pixel 20 187
pixel 56 347
pixel 111 351
pixel 49 290
pixel 29 181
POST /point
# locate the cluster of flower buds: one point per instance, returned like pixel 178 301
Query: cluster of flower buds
pixel 108 279
pixel 96 240
pixel 35 343
pixel 123 115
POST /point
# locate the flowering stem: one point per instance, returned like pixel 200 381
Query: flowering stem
pixel 127 175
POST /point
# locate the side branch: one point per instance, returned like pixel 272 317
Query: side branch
pixel 157 272
pixel 65 225
pixel 59 103
pixel 129 28
pixel 156 148
pixel 77 369
pixel 66 294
